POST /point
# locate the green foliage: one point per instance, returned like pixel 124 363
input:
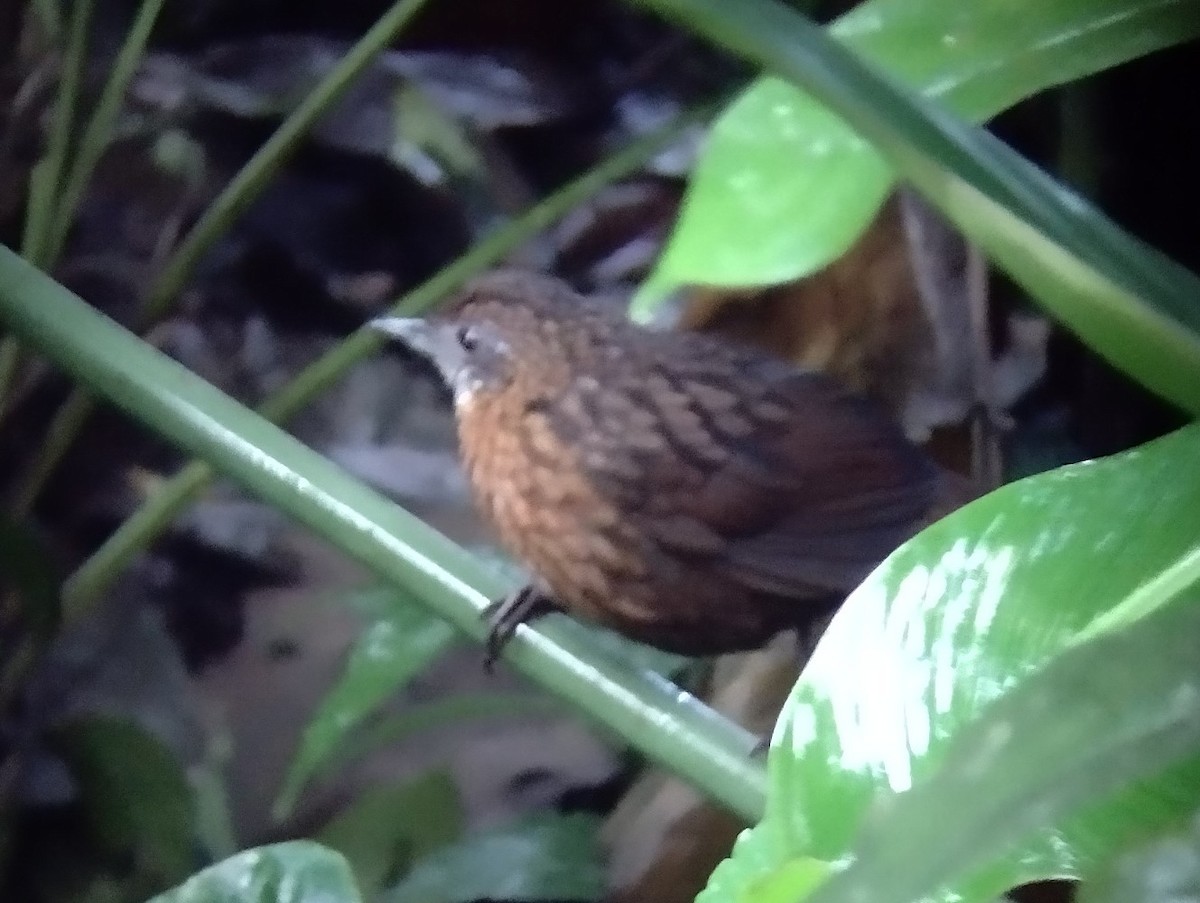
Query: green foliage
pixel 802 185
pixel 134 793
pixel 295 872
pixel 45 186
pixel 56 188
pixel 1060 741
pixel 542 857
pixel 389 828
pixel 969 635
pixel 402 639
pixel 1161 869
pixel 234 199
pixel 72 182
pixel 1011 696
pixel 1129 303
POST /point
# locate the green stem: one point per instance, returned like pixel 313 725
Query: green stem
pixel 96 574
pixel 241 191
pixel 10 362
pixel 59 435
pixel 246 186
pixel 44 180
pixel 43 200
pixel 48 15
pixel 669 726
pixel 49 233
pixel 99 128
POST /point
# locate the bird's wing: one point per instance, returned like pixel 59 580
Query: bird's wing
pixel 790 485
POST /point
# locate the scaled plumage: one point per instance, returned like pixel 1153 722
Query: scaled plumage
pixel 689 493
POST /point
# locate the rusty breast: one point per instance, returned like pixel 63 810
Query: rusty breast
pixel 531 486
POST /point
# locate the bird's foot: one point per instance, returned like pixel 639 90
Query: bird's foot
pixel 504 615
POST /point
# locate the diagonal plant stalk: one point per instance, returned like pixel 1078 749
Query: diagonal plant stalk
pixel 96 574
pixel 64 206
pixel 58 150
pixel 233 200
pixel 100 128
pixel 10 363
pixel 46 177
pixel 250 181
pixel 49 16
pixel 670 726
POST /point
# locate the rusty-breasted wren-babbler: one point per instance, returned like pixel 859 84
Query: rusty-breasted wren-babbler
pixel 689 493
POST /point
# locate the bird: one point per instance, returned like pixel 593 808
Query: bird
pixel 690 493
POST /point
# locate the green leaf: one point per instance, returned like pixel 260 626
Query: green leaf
pixel 389 827
pixel 1100 716
pixel 799 183
pixel 1163 870
pixel 402 640
pixel 296 872
pixel 1128 302
pixel 542 857
pixel 747 874
pixel 954 619
pixel 761 869
pixel 215 831
pixel 134 792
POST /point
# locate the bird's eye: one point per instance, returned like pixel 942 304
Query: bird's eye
pixel 466 338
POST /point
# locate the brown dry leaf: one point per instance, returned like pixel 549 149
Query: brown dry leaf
pixel 860 318
pixel 902 316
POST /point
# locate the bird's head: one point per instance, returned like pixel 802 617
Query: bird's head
pixel 504 327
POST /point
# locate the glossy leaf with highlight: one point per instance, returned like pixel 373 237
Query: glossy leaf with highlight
pixel 401 640
pixel 539 857
pixel 1024 782
pixel 798 185
pixel 299 871
pixel 953 620
pixel 1128 302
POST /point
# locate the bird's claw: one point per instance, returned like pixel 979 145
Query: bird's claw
pixel 504 616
